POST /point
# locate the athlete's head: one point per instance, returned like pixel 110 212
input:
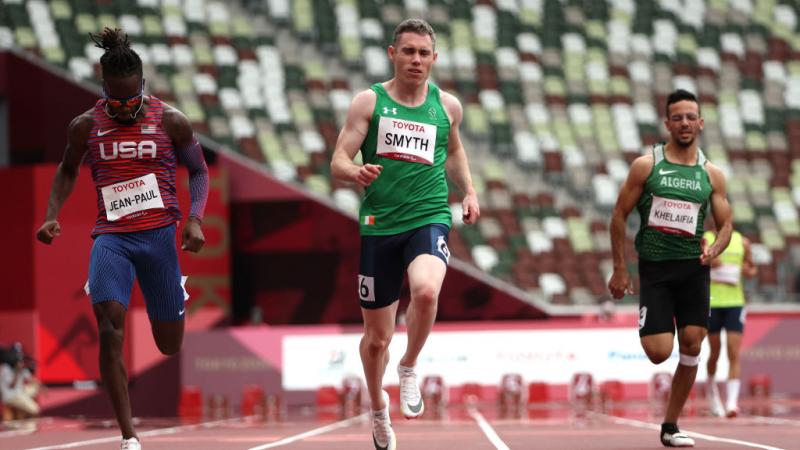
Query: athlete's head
pixel 413 51
pixel 123 83
pixel 684 121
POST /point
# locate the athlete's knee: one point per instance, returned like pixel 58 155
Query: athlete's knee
pixel 168 348
pixel 657 356
pixel 425 294
pixel 376 342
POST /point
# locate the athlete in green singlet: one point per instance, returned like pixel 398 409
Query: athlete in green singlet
pixel 407 131
pixel 671 187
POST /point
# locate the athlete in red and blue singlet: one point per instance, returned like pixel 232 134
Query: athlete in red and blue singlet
pixel 132 142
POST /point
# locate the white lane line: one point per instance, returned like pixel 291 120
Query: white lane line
pixel 772 420
pixel 708 437
pixel 157 432
pixel 487 429
pixel 13 433
pixel 313 432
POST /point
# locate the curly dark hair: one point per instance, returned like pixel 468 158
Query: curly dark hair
pixel 119 59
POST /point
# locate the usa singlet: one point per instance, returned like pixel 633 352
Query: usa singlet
pixel 133 168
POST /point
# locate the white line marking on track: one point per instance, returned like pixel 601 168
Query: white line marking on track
pixel 486 428
pixel 772 420
pixel 157 432
pixel 708 437
pixel 312 432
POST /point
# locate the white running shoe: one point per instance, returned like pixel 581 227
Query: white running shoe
pixel 382 433
pixel 410 397
pixel 715 404
pixel 676 440
pixel 130 444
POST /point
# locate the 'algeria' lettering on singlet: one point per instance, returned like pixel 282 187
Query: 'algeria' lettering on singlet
pixel 406 140
pixel 681 183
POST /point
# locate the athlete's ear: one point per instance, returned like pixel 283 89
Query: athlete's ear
pixel 390 51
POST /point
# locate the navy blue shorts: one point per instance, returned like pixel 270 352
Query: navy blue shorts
pixel 384 260
pixel 149 255
pixel 732 319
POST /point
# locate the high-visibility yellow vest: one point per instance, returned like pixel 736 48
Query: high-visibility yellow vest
pixel 726 280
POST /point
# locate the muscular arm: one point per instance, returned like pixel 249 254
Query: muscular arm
pixel 629 195
pixel 66 174
pixel 722 215
pixel 349 142
pixel 191 154
pixel 457 165
pixel 749 268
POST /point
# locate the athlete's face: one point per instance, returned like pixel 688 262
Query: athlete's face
pixel 684 122
pixel 124 97
pixel 412 56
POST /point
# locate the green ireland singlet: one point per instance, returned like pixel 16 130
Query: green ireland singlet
pixel 411 145
pixel 727 290
pixel 672 209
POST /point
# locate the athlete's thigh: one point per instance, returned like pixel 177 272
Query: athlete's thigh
pixel 734 319
pixel 693 295
pixel 159 275
pixel 656 299
pixel 716 320
pixel 380 274
pixel 426 256
pixel 111 271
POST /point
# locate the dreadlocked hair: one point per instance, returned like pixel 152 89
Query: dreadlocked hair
pixel 119 59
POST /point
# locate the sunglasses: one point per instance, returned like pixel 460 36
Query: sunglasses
pixel 129 102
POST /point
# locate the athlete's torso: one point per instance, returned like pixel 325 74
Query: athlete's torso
pixel 133 168
pixel 411 145
pixel 727 289
pixel 672 209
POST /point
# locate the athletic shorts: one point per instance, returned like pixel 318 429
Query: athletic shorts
pixel 673 293
pixel 384 260
pixel 151 256
pixel 731 319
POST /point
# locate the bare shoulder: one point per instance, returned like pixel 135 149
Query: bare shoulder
pixel 450 102
pixel 364 102
pixel 81 125
pixel 173 117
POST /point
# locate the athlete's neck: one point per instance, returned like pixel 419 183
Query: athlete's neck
pixel 679 154
pixel 406 94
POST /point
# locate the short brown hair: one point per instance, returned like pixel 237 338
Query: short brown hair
pixel 418 26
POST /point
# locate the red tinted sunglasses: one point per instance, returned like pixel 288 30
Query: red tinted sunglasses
pixel 130 102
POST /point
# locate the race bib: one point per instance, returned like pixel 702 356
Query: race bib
pixel 727 274
pixel 674 216
pixel 131 196
pixel 405 140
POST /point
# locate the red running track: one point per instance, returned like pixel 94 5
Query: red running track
pixel 465 429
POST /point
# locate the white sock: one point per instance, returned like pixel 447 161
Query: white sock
pixel 732 388
pixel 711 384
pixel 405 370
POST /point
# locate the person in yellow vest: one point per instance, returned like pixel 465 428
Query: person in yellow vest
pixel 727 311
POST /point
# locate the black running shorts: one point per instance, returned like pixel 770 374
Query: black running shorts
pixel 673 293
pixel 385 259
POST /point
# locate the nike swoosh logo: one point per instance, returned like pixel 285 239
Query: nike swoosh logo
pixel 378 447
pixel 180 313
pixel 666 172
pixel 101 133
pixel 415 408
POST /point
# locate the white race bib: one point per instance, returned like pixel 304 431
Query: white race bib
pixel 405 140
pixel 727 274
pixel 674 216
pixel 131 196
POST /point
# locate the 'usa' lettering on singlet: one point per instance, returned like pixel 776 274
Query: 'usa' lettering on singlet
pixel 128 150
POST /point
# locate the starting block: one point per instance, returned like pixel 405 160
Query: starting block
pixel 328 404
pixel 471 393
pixel 218 407
pixel 581 389
pixel 253 402
pixel 660 387
pixel 190 404
pixel 510 398
pixel 352 396
pixel 759 387
pixel 611 396
pixel 434 394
